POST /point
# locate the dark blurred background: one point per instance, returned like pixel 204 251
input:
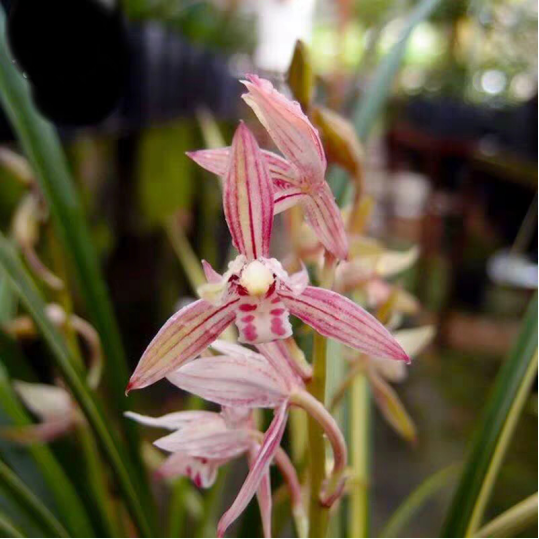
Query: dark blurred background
pixel 452 166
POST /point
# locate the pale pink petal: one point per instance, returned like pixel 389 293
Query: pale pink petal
pixel 232 381
pixel 339 318
pixel 324 216
pixel 227 348
pixel 237 417
pixel 186 334
pixel 262 319
pixel 263 495
pixel 288 196
pixel 43 400
pixel 218 443
pixel 261 463
pixel 217 161
pixel 289 128
pixel 248 197
pixel 176 420
pixel 47 431
pixel 278 354
pixel 202 472
pixel 211 275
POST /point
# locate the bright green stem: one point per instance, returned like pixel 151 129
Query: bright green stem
pixel 514 521
pixel 358 516
pixel 318 514
pixel 31 505
pixel 176 508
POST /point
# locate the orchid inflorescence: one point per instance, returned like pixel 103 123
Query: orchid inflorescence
pixel 258 295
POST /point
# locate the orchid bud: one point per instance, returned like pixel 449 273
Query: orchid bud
pixel 300 76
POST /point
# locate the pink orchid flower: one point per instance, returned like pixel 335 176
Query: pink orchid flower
pixel 256 292
pixel 203 441
pixel 298 179
pixel 243 378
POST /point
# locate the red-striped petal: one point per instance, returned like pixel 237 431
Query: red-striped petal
pixel 235 381
pixel 324 216
pixel 248 197
pixel 186 334
pixel 260 466
pixel 339 318
pixel 202 472
pixel 217 161
pixel 289 128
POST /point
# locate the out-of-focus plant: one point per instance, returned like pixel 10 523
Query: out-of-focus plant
pixel 253 298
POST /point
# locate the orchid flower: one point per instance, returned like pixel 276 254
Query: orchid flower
pixel 298 179
pixel 256 292
pixel 203 441
pixel 243 378
pixel 53 406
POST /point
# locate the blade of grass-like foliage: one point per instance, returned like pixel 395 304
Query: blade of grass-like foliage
pixel 414 501
pixel 29 503
pixel 495 430
pixel 113 450
pixel 379 89
pixel 42 147
pixel 373 100
pixel 68 502
pixel 514 521
pixel 7 301
pixel 8 528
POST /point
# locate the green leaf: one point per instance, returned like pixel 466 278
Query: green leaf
pixel 494 432
pixel 379 89
pixel 42 147
pixel 8 528
pixel 68 503
pixel 75 380
pixel 29 503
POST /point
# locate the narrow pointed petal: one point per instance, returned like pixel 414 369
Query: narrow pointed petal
pixel 248 197
pixel 288 196
pixel 176 420
pixel 263 495
pixel 392 408
pixel 278 354
pixel 391 263
pixel 261 463
pixel 339 318
pixel 415 340
pixel 211 275
pixel 323 215
pixel 217 442
pixel 202 472
pixel 288 126
pixel 48 431
pixel 43 400
pixel 183 337
pixel 217 161
pixel 232 381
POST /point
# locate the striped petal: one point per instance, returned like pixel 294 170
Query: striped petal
pixel 263 496
pixel 202 472
pixel 232 381
pixel 216 442
pixel 324 216
pixel 183 337
pixel 278 353
pixel 248 197
pixel 287 196
pixel 176 420
pixel 257 471
pixel 339 318
pixel 289 128
pixel 217 161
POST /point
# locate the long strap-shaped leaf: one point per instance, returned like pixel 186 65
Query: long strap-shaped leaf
pixel 42 147
pixel 8 528
pixel 68 503
pixel 118 458
pixel 31 505
pixel 495 430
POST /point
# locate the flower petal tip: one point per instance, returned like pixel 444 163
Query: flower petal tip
pixel 130 386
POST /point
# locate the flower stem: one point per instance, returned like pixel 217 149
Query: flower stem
pixel 318 514
pixel 358 517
